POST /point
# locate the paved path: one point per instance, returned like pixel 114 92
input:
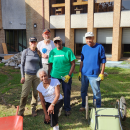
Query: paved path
pixel 115 64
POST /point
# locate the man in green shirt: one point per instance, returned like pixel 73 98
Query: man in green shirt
pixel 62 64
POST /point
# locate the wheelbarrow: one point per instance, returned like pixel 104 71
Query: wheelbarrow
pixel 12 122
pixel 106 118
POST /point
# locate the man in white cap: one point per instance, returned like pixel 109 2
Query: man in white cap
pixel 45 46
pixel 92 56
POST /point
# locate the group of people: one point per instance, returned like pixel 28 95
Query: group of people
pixel 47 64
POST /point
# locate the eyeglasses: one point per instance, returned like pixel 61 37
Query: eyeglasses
pixel 56 41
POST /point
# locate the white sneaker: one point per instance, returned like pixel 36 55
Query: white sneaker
pixel 56 127
pixel 59 111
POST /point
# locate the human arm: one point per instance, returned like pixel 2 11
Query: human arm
pixel 23 57
pixel 50 61
pixel 101 75
pixel 103 61
pixel 57 93
pixel 67 77
pixel 81 65
pixel 72 67
pixel 103 68
pixel 47 117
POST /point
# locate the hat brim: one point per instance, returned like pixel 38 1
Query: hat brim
pixel 47 32
pixel 56 40
pixel 90 36
pixel 33 40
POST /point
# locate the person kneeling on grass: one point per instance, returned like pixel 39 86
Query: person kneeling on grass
pixel 51 99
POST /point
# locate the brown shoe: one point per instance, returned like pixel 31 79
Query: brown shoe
pixel 82 109
pixel 34 113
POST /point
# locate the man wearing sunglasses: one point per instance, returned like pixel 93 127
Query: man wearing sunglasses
pixel 62 62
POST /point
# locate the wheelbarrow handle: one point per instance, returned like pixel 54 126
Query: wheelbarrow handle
pixel 17 110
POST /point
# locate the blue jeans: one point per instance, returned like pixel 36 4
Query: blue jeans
pixel 95 85
pixel 66 87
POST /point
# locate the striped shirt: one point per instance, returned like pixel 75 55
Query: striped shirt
pixel 49 93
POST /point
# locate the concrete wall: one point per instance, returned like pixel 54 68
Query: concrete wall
pixel 125 19
pixel 13 14
pixel 57 21
pixel 79 20
pixel 102 20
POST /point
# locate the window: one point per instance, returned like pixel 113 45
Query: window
pixel 104 5
pixel 78 6
pixel 104 37
pixel 79 40
pixel 126 42
pixel 15 40
pixel 125 5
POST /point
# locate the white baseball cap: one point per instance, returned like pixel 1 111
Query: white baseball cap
pixel 89 34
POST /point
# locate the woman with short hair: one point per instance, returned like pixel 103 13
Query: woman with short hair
pixel 51 99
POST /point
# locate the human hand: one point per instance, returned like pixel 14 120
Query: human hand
pixel 22 80
pixel 67 77
pixel 79 76
pixel 47 118
pixel 101 76
pixel 44 55
pixel 50 109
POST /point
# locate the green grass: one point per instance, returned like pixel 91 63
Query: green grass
pixel 114 86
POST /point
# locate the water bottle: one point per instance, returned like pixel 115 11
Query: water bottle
pixel 63 78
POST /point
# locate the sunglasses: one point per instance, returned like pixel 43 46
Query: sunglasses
pixel 56 41
pixel 33 41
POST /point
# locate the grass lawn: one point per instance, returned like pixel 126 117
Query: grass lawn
pixel 114 86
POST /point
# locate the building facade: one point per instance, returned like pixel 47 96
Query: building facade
pixel 108 19
pixel 69 19
pixel 13 25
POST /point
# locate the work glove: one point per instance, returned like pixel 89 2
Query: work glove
pixel 101 76
pixel 67 77
pixel 79 76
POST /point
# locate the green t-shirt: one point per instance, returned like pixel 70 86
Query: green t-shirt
pixel 61 61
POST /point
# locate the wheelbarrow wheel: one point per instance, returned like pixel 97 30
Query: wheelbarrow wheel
pixel 123 108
